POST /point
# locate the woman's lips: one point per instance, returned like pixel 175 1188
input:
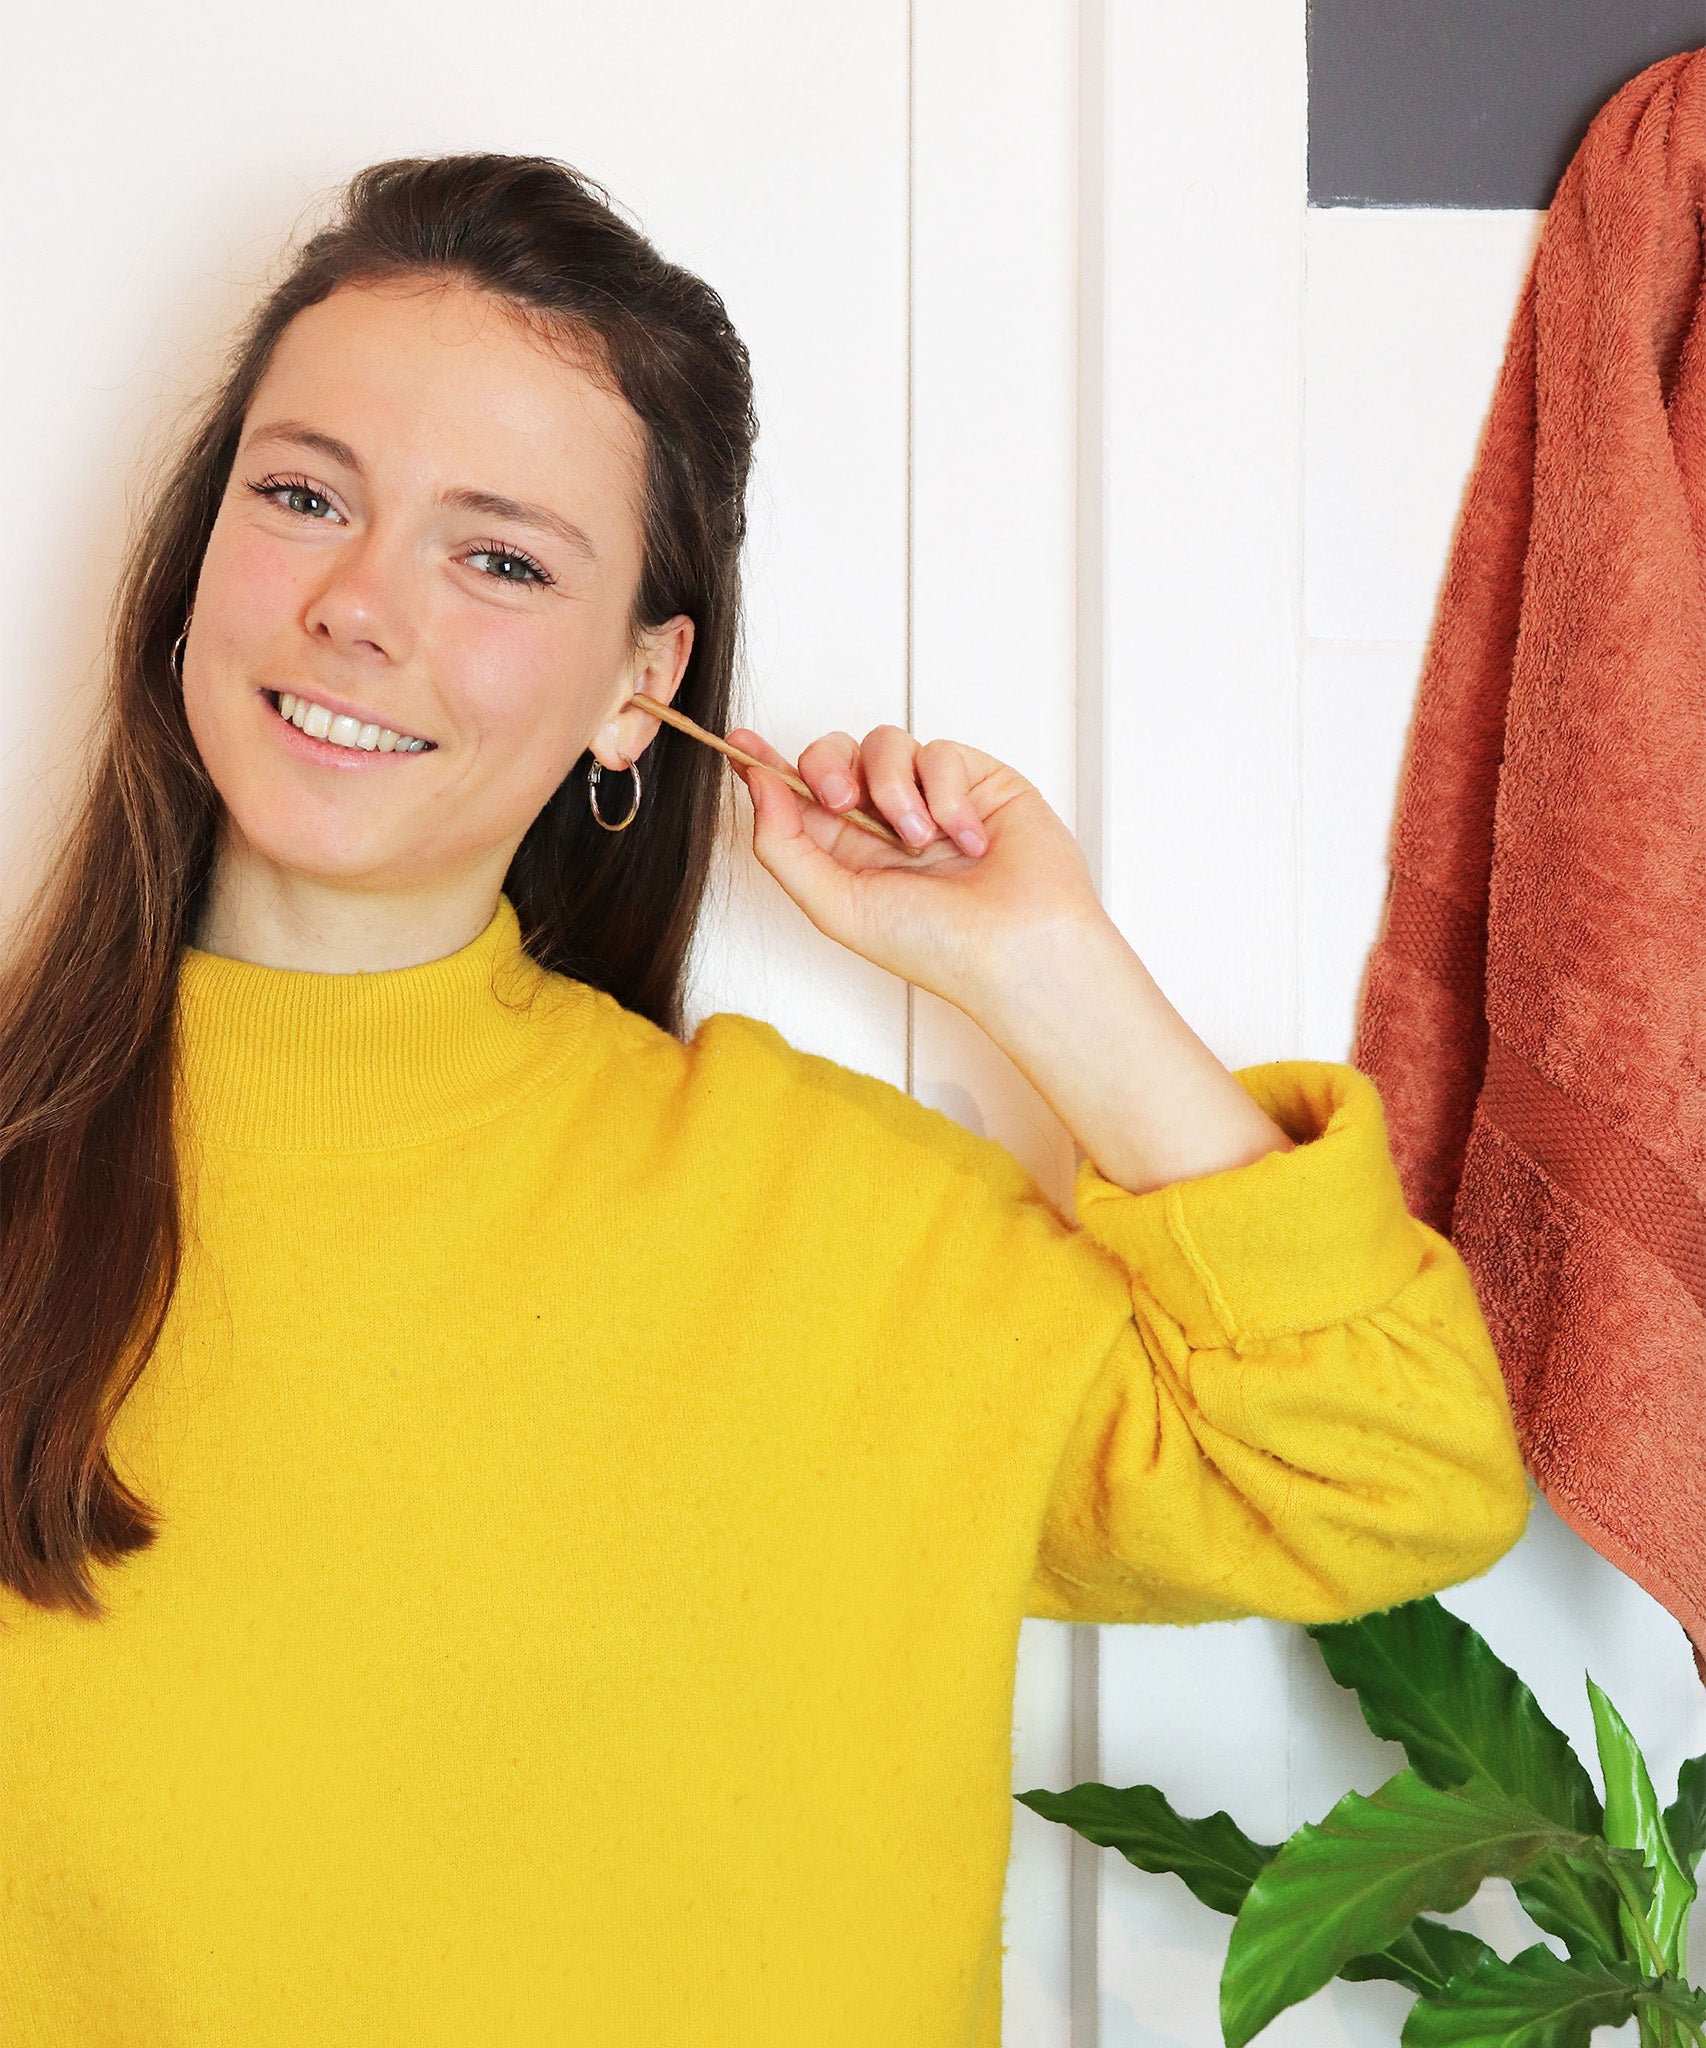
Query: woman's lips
pixel 327 753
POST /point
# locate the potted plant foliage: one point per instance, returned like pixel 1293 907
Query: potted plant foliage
pixel 1493 1789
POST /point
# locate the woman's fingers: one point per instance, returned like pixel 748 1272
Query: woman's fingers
pixel 945 778
pixel 830 768
pixel 756 744
pixel 887 755
pixel 784 839
pixel 915 788
pixel 835 755
pixel 759 747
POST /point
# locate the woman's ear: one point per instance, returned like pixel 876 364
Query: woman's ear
pixel 655 671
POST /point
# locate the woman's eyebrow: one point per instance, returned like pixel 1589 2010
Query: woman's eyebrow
pixel 308 437
pixel 490 504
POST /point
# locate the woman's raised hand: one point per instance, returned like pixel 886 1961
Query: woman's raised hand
pixel 999 872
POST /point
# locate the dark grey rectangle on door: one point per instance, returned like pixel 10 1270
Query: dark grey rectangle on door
pixel 1470 102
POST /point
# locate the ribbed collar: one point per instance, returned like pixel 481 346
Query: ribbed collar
pixel 284 1059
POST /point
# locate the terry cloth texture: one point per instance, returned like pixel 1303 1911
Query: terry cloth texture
pixel 1534 1012
pixel 601 1479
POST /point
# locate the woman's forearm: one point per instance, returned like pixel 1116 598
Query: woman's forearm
pixel 1083 1019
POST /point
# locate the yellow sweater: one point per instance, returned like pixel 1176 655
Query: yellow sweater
pixel 601 1480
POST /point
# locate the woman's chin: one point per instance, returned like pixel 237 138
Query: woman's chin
pixel 278 840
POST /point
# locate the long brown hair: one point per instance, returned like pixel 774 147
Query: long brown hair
pixel 90 1234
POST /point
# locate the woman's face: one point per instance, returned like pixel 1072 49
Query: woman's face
pixel 432 525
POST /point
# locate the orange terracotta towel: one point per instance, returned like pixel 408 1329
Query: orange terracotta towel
pixel 1534 1012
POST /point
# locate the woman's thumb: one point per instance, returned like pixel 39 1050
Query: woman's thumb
pixel 784 846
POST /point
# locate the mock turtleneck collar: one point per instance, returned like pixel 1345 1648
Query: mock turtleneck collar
pixel 285 1059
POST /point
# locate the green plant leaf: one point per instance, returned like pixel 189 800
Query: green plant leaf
pixel 1537 2000
pixel 1428 1681
pixel 1425 1957
pixel 1580 1904
pixel 1214 1856
pixel 1685 1817
pixel 1633 1821
pixel 1220 1862
pixel 1351 1884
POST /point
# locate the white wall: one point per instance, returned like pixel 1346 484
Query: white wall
pixel 1101 452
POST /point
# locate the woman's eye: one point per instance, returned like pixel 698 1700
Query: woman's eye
pixel 512 567
pixel 282 492
pixel 295 495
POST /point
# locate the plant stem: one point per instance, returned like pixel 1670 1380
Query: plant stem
pixel 1637 1912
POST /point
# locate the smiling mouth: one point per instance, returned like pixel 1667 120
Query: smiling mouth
pixel 338 730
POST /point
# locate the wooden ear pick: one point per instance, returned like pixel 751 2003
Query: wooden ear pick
pixel 879 828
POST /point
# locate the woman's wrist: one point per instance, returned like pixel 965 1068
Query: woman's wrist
pixel 1083 1019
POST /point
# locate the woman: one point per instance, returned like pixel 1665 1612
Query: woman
pixel 516 1525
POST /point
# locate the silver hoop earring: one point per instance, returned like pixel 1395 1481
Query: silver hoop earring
pixel 175 660
pixel 595 769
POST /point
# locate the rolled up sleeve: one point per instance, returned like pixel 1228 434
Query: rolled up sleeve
pixel 1304 1417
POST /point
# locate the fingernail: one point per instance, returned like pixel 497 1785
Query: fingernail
pixel 837 789
pixel 972 839
pixel 914 827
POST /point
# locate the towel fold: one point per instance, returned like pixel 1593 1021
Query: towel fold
pixel 1534 1010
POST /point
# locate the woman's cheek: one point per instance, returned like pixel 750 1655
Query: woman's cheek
pixel 249 584
pixel 517 686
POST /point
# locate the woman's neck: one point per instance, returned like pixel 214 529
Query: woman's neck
pixel 258 911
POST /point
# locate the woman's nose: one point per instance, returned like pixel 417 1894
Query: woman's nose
pixel 365 603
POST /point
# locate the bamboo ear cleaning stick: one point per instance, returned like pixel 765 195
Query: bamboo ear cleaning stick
pixel 879 828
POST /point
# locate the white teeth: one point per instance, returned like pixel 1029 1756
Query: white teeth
pixel 341 730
